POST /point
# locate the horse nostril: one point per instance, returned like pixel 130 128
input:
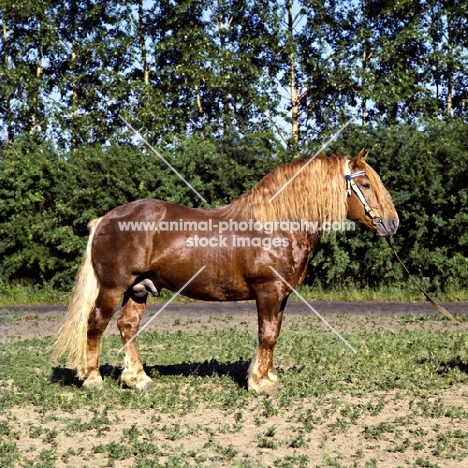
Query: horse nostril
pixel 394 223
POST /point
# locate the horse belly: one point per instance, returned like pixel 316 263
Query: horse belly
pixel 221 276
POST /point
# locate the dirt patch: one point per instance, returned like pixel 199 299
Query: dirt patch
pixel 387 439
pixel 379 429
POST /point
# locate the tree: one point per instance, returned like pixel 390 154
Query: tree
pixel 26 41
pixel 446 23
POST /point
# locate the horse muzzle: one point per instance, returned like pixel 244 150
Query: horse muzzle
pixel 387 227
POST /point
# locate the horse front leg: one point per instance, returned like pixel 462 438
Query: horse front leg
pixel 261 376
pixel 133 375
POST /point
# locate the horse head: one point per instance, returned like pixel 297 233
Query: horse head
pixel 369 202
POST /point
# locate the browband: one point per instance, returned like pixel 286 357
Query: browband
pixel 355 174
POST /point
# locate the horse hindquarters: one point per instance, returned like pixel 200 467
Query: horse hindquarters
pixel 91 307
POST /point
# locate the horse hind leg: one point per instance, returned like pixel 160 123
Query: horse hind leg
pixel 133 375
pixel 106 304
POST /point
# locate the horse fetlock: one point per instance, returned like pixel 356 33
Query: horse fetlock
pixel 272 376
pixel 82 373
pixel 85 372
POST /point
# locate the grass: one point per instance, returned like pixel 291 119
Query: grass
pixel 17 294
pixel 383 293
pixel 392 400
pixel 28 294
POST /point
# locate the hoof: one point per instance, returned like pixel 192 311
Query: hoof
pixel 265 387
pixel 141 381
pixel 94 381
pixel 147 385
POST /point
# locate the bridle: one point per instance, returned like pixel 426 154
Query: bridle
pixel 351 184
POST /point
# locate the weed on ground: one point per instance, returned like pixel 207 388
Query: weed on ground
pixel 400 401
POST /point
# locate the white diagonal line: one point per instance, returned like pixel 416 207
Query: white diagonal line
pixel 314 311
pixel 155 151
pixel 312 158
pixel 162 308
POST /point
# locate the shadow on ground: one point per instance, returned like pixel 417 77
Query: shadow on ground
pixel 457 363
pixel 237 371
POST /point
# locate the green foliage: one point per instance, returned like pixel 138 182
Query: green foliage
pixel 223 171
pixel 425 168
pixel 204 79
pixel 70 68
pixel 47 199
pixel 31 236
pixel 47 196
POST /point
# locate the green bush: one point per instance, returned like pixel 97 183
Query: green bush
pixel 48 196
pixel 425 168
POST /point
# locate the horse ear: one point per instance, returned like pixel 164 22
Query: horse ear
pixel 360 157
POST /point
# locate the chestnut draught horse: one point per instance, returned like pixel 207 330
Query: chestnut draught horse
pixel 245 250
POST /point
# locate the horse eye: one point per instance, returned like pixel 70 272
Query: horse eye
pixel 366 185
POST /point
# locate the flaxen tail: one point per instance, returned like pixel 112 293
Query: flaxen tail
pixel 72 336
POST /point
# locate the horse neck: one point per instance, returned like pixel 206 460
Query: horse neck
pixel 292 192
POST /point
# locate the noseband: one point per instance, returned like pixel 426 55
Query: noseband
pixel 351 184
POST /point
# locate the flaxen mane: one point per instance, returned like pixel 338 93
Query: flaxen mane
pixel 317 193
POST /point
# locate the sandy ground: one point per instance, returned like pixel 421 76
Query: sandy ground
pixel 349 447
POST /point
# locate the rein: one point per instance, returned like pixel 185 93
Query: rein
pixel 441 309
